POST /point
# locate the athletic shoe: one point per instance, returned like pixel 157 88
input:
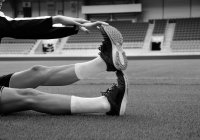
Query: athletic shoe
pixel 111 50
pixel 117 95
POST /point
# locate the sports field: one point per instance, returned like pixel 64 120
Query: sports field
pixel 164 104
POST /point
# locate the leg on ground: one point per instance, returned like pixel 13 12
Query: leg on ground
pixel 16 100
pixel 57 75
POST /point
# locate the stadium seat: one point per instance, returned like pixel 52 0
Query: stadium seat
pixel 160 26
pixel 186 35
pixel 16 46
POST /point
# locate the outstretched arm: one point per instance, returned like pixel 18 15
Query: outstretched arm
pixel 82 24
pixel 41 27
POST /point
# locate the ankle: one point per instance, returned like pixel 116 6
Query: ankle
pixel 105 104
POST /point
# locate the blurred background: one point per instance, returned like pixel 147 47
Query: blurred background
pixel 156 27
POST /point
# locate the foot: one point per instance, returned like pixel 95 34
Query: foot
pixel 117 95
pixel 111 49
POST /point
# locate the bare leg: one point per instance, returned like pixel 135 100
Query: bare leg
pixel 15 100
pixel 44 76
pixel 57 75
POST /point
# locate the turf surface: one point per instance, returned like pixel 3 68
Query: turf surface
pixel 164 103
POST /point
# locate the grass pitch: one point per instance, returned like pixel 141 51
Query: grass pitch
pixel 164 103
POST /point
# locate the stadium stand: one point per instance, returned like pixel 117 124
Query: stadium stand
pixel 186 45
pixel 183 37
pixel 11 40
pixel 99 17
pixel 16 46
pixel 133 34
pixel 187 29
pixel 82 37
pixel 84 41
pixel 160 26
pixel 186 35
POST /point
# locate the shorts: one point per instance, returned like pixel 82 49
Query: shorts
pixel 5 80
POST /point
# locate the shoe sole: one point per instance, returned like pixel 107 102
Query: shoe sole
pixel 124 100
pixel 118 55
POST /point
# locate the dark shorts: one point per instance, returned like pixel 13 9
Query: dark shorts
pixel 5 80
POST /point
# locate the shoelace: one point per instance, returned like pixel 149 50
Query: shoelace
pixel 108 91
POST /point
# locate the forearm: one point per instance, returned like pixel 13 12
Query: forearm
pixel 59 19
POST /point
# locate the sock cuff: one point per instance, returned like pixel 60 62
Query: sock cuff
pixel 72 104
pixel 78 71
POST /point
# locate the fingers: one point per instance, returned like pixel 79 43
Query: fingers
pixel 88 25
pixel 94 24
pixel 84 29
pixel 101 23
pixel 73 22
pixel 77 21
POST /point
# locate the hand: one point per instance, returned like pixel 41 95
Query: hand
pixel 81 24
pixel 88 25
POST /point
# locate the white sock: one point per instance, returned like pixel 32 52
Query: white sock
pixel 90 68
pixel 89 105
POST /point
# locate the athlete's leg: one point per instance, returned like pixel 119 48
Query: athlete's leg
pixel 113 101
pixel 15 100
pixel 57 75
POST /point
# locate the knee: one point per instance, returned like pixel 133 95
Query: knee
pixel 38 68
pixel 40 74
pixel 39 71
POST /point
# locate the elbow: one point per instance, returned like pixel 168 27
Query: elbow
pixel 57 19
